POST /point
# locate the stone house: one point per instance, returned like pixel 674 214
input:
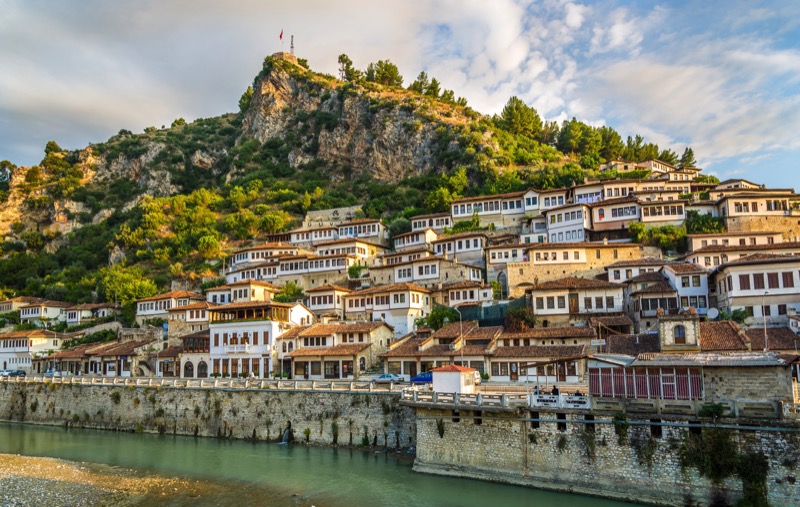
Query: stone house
pixel 188 319
pixel 195 357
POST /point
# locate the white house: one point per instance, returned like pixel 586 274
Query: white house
pixel 242 335
pixel 414 239
pixel 691 283
pixel 765 286
pixel 18 348
pixel 44 313
pixel 568 223
pixel 398 304
pixel 157 307
pixel 327 300
pixel 436 221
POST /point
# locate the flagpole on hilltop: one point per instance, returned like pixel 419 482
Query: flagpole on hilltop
pixel 281 38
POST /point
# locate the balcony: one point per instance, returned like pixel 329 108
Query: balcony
pixel 237 349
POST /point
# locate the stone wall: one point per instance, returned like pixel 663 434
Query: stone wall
pixel 227 413
pixel 503 447
pixel 789 226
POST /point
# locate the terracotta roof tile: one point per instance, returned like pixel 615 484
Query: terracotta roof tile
pixel 633 345
pixel 541 351
pixel 200 305
pixel 395 287
pixel 791 245
pixel 643 261
pixel 344 327
pixel 662 287
pixel 778 338
pixel 551 332
pixel 574 282
pixel 651 276
pixel 327 287
pixel 408 347
pixel 177 294
pixel 349 349
pixel 610 320
pixel 724 335
pixel 686 268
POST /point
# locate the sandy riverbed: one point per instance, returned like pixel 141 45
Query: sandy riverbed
pixel 36 482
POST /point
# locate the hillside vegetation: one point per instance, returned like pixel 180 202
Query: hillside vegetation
pixel 168 204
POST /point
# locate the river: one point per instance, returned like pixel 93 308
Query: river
pixel 286 474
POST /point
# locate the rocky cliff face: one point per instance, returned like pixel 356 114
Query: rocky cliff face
pixel 390 134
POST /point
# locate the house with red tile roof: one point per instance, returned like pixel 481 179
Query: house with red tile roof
pixel 397 304
pixel 157 307
pixel 574 299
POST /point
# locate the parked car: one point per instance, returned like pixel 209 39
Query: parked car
pixel 425 377
pixel 17 373
pixel 52 373
pixel 387 378
pixel 5 373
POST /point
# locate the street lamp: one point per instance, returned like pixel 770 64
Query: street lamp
pixel 764 320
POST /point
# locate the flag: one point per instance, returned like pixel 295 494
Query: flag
pixel 281 35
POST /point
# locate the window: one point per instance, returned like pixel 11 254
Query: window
pixel 684 281
pixel 696 281
pixel 766 310
pixel 772 279
pixel 562 302
pixel 616 274
pixel 744 282
pixel 748 310
pixel 679 334
pixel 551 302
pixel 540 303
pixel 788 279
pixel 758 281
pixel 609 302
pixel 587 303
pixel 599 302
pixel 781 309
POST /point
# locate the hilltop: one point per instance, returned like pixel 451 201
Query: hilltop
pixel 171 202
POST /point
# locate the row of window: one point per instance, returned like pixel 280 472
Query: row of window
pixel 569 215
pixel 690 281
pixel 324 300
pixel 553 256
pixel 783 280
pixel 384 300
pixel 368 229
pixel 553 302
pixel 246 338
pixel 16 344
pixel 434 223
pixel 766 310
pixel 317 264
pixel 576 235
pixel 657 211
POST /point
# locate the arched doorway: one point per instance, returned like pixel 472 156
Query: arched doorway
pixel 362 364
pixel 502 278
pixel 202 369
pixel 188 369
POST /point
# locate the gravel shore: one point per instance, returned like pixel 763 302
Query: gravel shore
pixel 36 482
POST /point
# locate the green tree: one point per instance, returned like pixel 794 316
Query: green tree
pixel 244 100
pixel 275 221
pixel 448 96
pixel 436 319
pixel 52 147
pixel 706 178
pixel 399 225
pixel 384 72
pixel 346 70
pixel 179 122
pixel 433 89
pixel 520 319
pixel 569 138
pixel 549 133
pixel 439 200
pixel 289 293
pixel 208 247
pixel 611 144
pixel 668 156
pixel 354 271
pixel 687 159
pixel 420 84
pixel 520 119
pixel 124 285
pixel 697 223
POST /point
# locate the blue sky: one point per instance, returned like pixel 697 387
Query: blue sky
pixel 723 77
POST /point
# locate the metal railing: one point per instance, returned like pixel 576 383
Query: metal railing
pixel 503 400
pixel 214 383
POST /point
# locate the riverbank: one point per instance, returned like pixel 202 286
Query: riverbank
pixel 31 481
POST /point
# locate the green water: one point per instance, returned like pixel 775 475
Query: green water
pixel 291 475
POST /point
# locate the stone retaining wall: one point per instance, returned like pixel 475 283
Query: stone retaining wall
pixel 331 417
pixel 503 447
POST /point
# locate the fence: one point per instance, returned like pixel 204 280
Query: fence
pixel 494 400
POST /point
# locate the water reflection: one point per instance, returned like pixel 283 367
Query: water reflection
pixel 294 473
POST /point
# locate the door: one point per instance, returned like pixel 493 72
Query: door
pixel 188 370
pixel 514 371
pixel 202 369
pixel 573 303
pixel 562 372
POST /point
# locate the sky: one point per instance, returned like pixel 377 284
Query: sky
pixel 720 76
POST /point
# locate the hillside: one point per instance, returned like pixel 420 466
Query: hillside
pixel 168 204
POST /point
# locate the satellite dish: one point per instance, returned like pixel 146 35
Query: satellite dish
pixel 713 313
